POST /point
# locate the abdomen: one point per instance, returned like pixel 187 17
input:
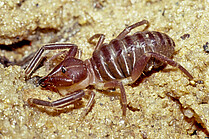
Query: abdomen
pixel 117 59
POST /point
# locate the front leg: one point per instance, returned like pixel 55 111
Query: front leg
pixel 117 84
pixel 66 101
pixel 36 59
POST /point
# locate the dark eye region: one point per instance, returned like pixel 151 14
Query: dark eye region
pixel 64 69
pixel 42 83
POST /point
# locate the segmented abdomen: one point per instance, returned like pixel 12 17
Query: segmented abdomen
pixel 117 59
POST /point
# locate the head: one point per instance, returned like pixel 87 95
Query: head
pixel 69 72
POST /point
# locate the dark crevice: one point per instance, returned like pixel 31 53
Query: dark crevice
pixel 15 46
pixel 131 108
pixel 197 125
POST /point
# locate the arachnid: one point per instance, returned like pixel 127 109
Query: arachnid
pixel 112 65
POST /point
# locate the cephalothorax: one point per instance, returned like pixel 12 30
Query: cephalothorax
pixel 112 65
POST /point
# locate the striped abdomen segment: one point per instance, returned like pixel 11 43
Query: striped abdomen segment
pixel 117 59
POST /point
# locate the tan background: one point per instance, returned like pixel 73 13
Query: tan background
pixel 163 105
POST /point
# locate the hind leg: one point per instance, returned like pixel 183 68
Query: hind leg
pixel 100 41
pixel 142 62
pixel 129 28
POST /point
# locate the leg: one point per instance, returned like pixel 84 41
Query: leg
pixel 89 104
pixel 100 42
pixel 66 101
pixel 70 53
pixel 79 54
pixel 35 60
pixel 129 28
pixel 140 65
pixel 60 102
pixel 52 58
pixel 117 84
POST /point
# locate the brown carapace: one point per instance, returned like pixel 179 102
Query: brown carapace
pixel 112 65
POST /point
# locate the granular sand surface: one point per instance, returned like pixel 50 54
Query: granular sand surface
pixel 163 104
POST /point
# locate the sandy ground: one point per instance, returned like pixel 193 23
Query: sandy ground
pixel 164 104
